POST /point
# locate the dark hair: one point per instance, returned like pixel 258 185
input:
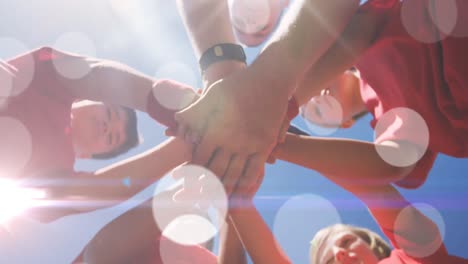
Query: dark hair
pixel 132 140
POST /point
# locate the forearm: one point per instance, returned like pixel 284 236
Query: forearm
pixel 140 170
pixel 231 248
pixel 92 79
pixel 346 162
pixel 208 23
pixel 257 238
pixel 356 38
pixel 308 30
pixel 396 215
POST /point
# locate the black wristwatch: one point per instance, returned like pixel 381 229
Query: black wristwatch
pixel 222 52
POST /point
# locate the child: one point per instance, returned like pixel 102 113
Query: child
pixel 143 240
pixel 48 107
pixel 416 240
pixel 388 80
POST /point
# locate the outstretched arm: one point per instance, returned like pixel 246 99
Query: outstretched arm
pixel 80 77
pixel 405 226
pixel 342 55
pixel 345 161
pixel 261 244
pixel 106 184
pixel 356 167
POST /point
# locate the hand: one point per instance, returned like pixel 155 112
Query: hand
pixel 236 124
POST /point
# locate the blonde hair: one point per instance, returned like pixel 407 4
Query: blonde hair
pixel 380 248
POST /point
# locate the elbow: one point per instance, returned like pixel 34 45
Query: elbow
pixel 395 174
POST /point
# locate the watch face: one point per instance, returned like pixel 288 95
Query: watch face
pixel 218 50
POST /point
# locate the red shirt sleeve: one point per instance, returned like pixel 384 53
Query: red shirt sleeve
pixel 44 80
pixel 400 128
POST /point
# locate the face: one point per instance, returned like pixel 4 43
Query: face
pixel 346 247
pixel 97 128
pixel 337 104
pixel 254 20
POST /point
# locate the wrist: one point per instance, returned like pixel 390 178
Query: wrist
pixel 221 69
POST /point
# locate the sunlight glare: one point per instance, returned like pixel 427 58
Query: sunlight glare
pixel 15 199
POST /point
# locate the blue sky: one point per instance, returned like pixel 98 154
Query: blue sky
pixel 150 38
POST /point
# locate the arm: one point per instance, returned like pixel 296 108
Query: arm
pixel 344 161
pixel 104 80
pixel 353 165
pixel 231 248
pixel 405 226
pixel 356 38
pixel 208 23
pixel 261 244
pixel 306 33
pixel 142 169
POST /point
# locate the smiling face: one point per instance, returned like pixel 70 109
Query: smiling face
pixel 345 244
pixel 254 20
pixel 97 128
pixel 346 247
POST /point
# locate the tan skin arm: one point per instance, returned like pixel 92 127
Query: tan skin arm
pixel 142 169
pixel 356 38
pixel 308 152
pixel 105 81
pixel 343 160
pixel 261 244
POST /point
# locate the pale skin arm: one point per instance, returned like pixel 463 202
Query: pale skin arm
pixel 214 28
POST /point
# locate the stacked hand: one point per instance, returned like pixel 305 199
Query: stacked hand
pixel 235 126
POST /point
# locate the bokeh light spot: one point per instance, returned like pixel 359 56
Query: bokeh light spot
pixel 178 71
pixel 323 115
pixel 410 224
pixel 421 26
pixel 298 220
pixel 17 76
pixel 406 127
pixel 201 195
pixel 81 45
pixel 250 16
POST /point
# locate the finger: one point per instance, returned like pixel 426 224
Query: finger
pixel 219 162
pixel 252 175
pixel 204 151
pixel 233 173
pixel 194 137
pixel 195 115
pixel 181 131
